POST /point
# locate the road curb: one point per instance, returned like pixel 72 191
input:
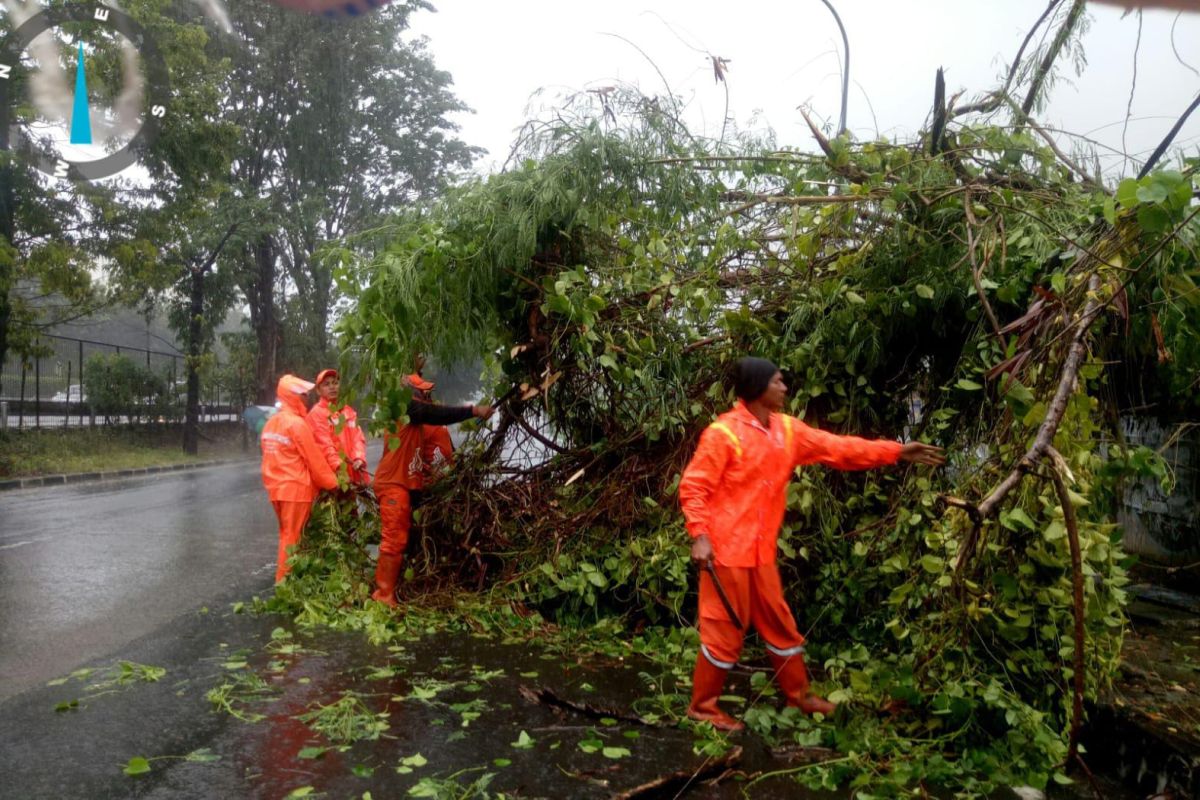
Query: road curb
pixel 88 477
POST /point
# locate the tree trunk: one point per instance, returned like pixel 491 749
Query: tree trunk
pixel 260 293
pixel 7 227
pixel 191 424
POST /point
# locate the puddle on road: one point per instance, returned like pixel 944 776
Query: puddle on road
pixel 454 716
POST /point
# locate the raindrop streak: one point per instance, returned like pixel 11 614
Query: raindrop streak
pixel 81 121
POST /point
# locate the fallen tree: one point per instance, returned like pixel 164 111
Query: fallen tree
pixel 974 291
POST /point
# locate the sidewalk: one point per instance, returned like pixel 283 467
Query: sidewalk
pixel 83 477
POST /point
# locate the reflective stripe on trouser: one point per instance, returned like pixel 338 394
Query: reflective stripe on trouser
pixel 395 519
pixel 756 594
pixel 292 518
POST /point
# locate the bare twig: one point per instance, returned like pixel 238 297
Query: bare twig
pixel 976 267
pixel 1093 181
pixel 994 100
pixel 669 785
pixel 1137 45
pixel 1175 49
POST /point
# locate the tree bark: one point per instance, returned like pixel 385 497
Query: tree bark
pixel 7 225
pixel 260 293
pixel 195 335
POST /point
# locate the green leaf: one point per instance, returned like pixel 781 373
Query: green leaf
pixel 932 564
pixel 1153 219
pixel 501 762
pixel 523 742
pixel 312 752
pixel 1156 192
pixel 202 756
pixel 363 771
pixel 925 291
pixel 137 766
pixel 415 760
pixel 591 745
pixel 1019 516
pixel 615 752
pixel 67 705
pixel 855 298
pixel 303 791
pixel 969 385
pixel 1127 191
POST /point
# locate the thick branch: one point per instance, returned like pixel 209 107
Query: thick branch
pixel 1170 137
pixel 1072 525
pixel 1054 414
pixel 525 426
pixel 1066 387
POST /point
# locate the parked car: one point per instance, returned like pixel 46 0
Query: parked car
pixel 73 394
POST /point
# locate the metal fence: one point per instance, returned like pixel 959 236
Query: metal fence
pixel 51 390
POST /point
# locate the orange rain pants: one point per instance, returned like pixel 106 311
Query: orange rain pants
pixel 293 516
pixel 756 594
pixel 395 518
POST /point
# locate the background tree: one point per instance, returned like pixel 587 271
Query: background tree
pixel 342 123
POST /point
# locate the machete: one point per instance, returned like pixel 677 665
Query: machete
pixel 712 572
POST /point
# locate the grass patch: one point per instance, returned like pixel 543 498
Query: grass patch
pixel 64 451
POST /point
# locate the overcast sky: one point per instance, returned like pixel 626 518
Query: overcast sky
pixel 782 54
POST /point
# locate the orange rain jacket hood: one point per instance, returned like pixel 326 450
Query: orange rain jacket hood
pixel 293 467
pixel 734 490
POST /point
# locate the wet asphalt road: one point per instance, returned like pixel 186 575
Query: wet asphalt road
pixel 87 569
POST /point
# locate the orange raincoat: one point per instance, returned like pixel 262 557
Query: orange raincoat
pixel 293 467
pixel 403 470
pixel 734 491
pixel 348 443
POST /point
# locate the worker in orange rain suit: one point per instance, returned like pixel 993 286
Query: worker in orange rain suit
pixel 293 467
pixel 348 443
pixel 437 448
pixel 733 494
pixel 401 472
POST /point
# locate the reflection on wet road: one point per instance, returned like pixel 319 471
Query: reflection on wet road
pixel 86 569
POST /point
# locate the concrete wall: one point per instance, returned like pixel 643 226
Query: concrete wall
pixel 1164 528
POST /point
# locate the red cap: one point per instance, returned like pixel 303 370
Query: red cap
pixel 417 382
pixel 325 373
